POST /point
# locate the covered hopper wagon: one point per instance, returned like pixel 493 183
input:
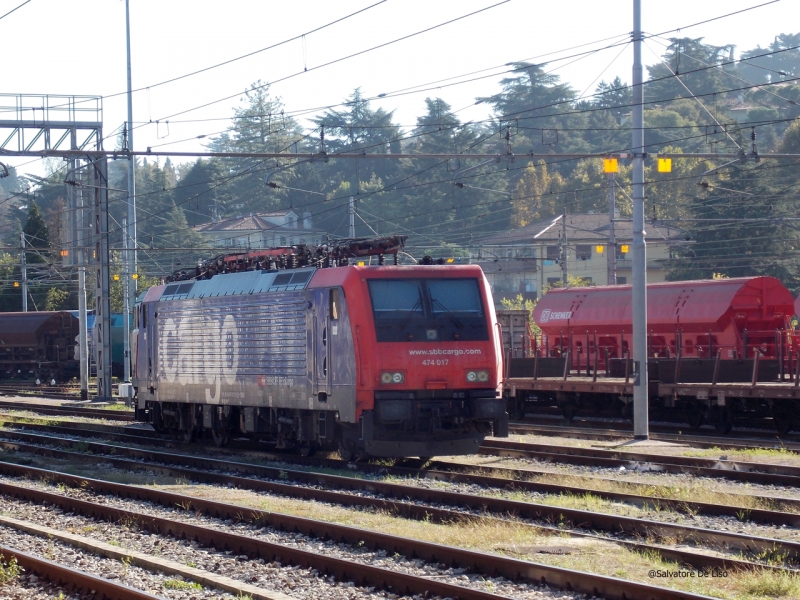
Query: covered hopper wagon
pixel 716 349
pixel 38 345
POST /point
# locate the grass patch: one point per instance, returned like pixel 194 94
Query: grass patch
pixel 744 454
pixel 9 570
pixel 771 584
pixel 179 584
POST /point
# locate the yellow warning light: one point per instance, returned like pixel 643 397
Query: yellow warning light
pixel 361 263
pixel 135 276
pixel 665 165
pixel 451 260
pixel 16 284
pixel 65 253
pixel 610 165
pixel 624 248
pixel 600 249
pixel 116 277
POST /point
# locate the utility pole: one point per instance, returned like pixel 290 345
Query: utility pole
pixel 564 250
pixel 80 254
pixel 23 272
pixel 640 399
pixel 611 259
pixel 129 230
pixel 352 212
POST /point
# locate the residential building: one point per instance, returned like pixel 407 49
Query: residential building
pixel 527 260
pixel 262 230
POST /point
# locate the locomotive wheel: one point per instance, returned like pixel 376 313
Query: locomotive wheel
pixel 221 438
pixel 348 450
pixel 306 449
pixel 695 415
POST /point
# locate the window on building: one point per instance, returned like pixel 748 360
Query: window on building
pixel 622 280
pixel 553 280
pixel 553 252
pixel 583 251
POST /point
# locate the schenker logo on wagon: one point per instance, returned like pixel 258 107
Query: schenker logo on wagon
pixel 548 315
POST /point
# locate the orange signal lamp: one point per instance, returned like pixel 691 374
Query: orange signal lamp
pixel 16 284
pixel 624 248
pixel 116 277
pixel 600 249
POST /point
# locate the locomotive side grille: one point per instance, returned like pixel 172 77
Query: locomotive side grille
pixel 199 342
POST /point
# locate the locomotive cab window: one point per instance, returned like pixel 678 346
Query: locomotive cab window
pixel 411 310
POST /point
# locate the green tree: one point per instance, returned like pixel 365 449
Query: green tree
pixel 739 230
pixel 57 299
pixel 537 195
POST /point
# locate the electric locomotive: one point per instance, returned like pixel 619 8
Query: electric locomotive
pixel 383 360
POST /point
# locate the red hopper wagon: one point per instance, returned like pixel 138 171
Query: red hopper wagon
pixel 716 348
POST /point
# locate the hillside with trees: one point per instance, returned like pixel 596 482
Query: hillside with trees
pixel 699 98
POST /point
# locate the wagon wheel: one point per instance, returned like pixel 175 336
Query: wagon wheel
pixel 721 418
pixel 782 416
pixel 695 415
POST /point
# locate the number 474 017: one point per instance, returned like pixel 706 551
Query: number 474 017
pixel 439 362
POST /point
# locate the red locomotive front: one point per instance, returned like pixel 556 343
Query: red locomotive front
pixel 428 359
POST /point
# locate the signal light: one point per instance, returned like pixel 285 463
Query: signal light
pixel 451 260
pixel 665 165
pixel 610 165
pixel 600 249
pixel 135 276
pixel 65 253
pixel 16 284
pixel 624 248
pixel 116 277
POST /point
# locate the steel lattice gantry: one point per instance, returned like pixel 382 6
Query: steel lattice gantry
pixel 36 124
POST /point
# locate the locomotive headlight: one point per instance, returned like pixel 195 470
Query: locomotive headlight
pixel 473 376
pixel 392 377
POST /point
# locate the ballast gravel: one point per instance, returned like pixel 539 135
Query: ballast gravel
pixel 171 587
pixel 301 583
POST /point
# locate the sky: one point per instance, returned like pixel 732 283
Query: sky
pixel 78 48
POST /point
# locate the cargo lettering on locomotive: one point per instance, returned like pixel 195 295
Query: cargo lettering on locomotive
pixel 208 359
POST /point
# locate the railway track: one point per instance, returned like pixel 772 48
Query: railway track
pixel 422 503
pixel 752 472
pixel 692 439
pixel 745 429
pixel 69 577
pixel 347 570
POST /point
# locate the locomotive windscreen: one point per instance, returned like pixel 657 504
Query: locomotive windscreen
pixel 414 310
